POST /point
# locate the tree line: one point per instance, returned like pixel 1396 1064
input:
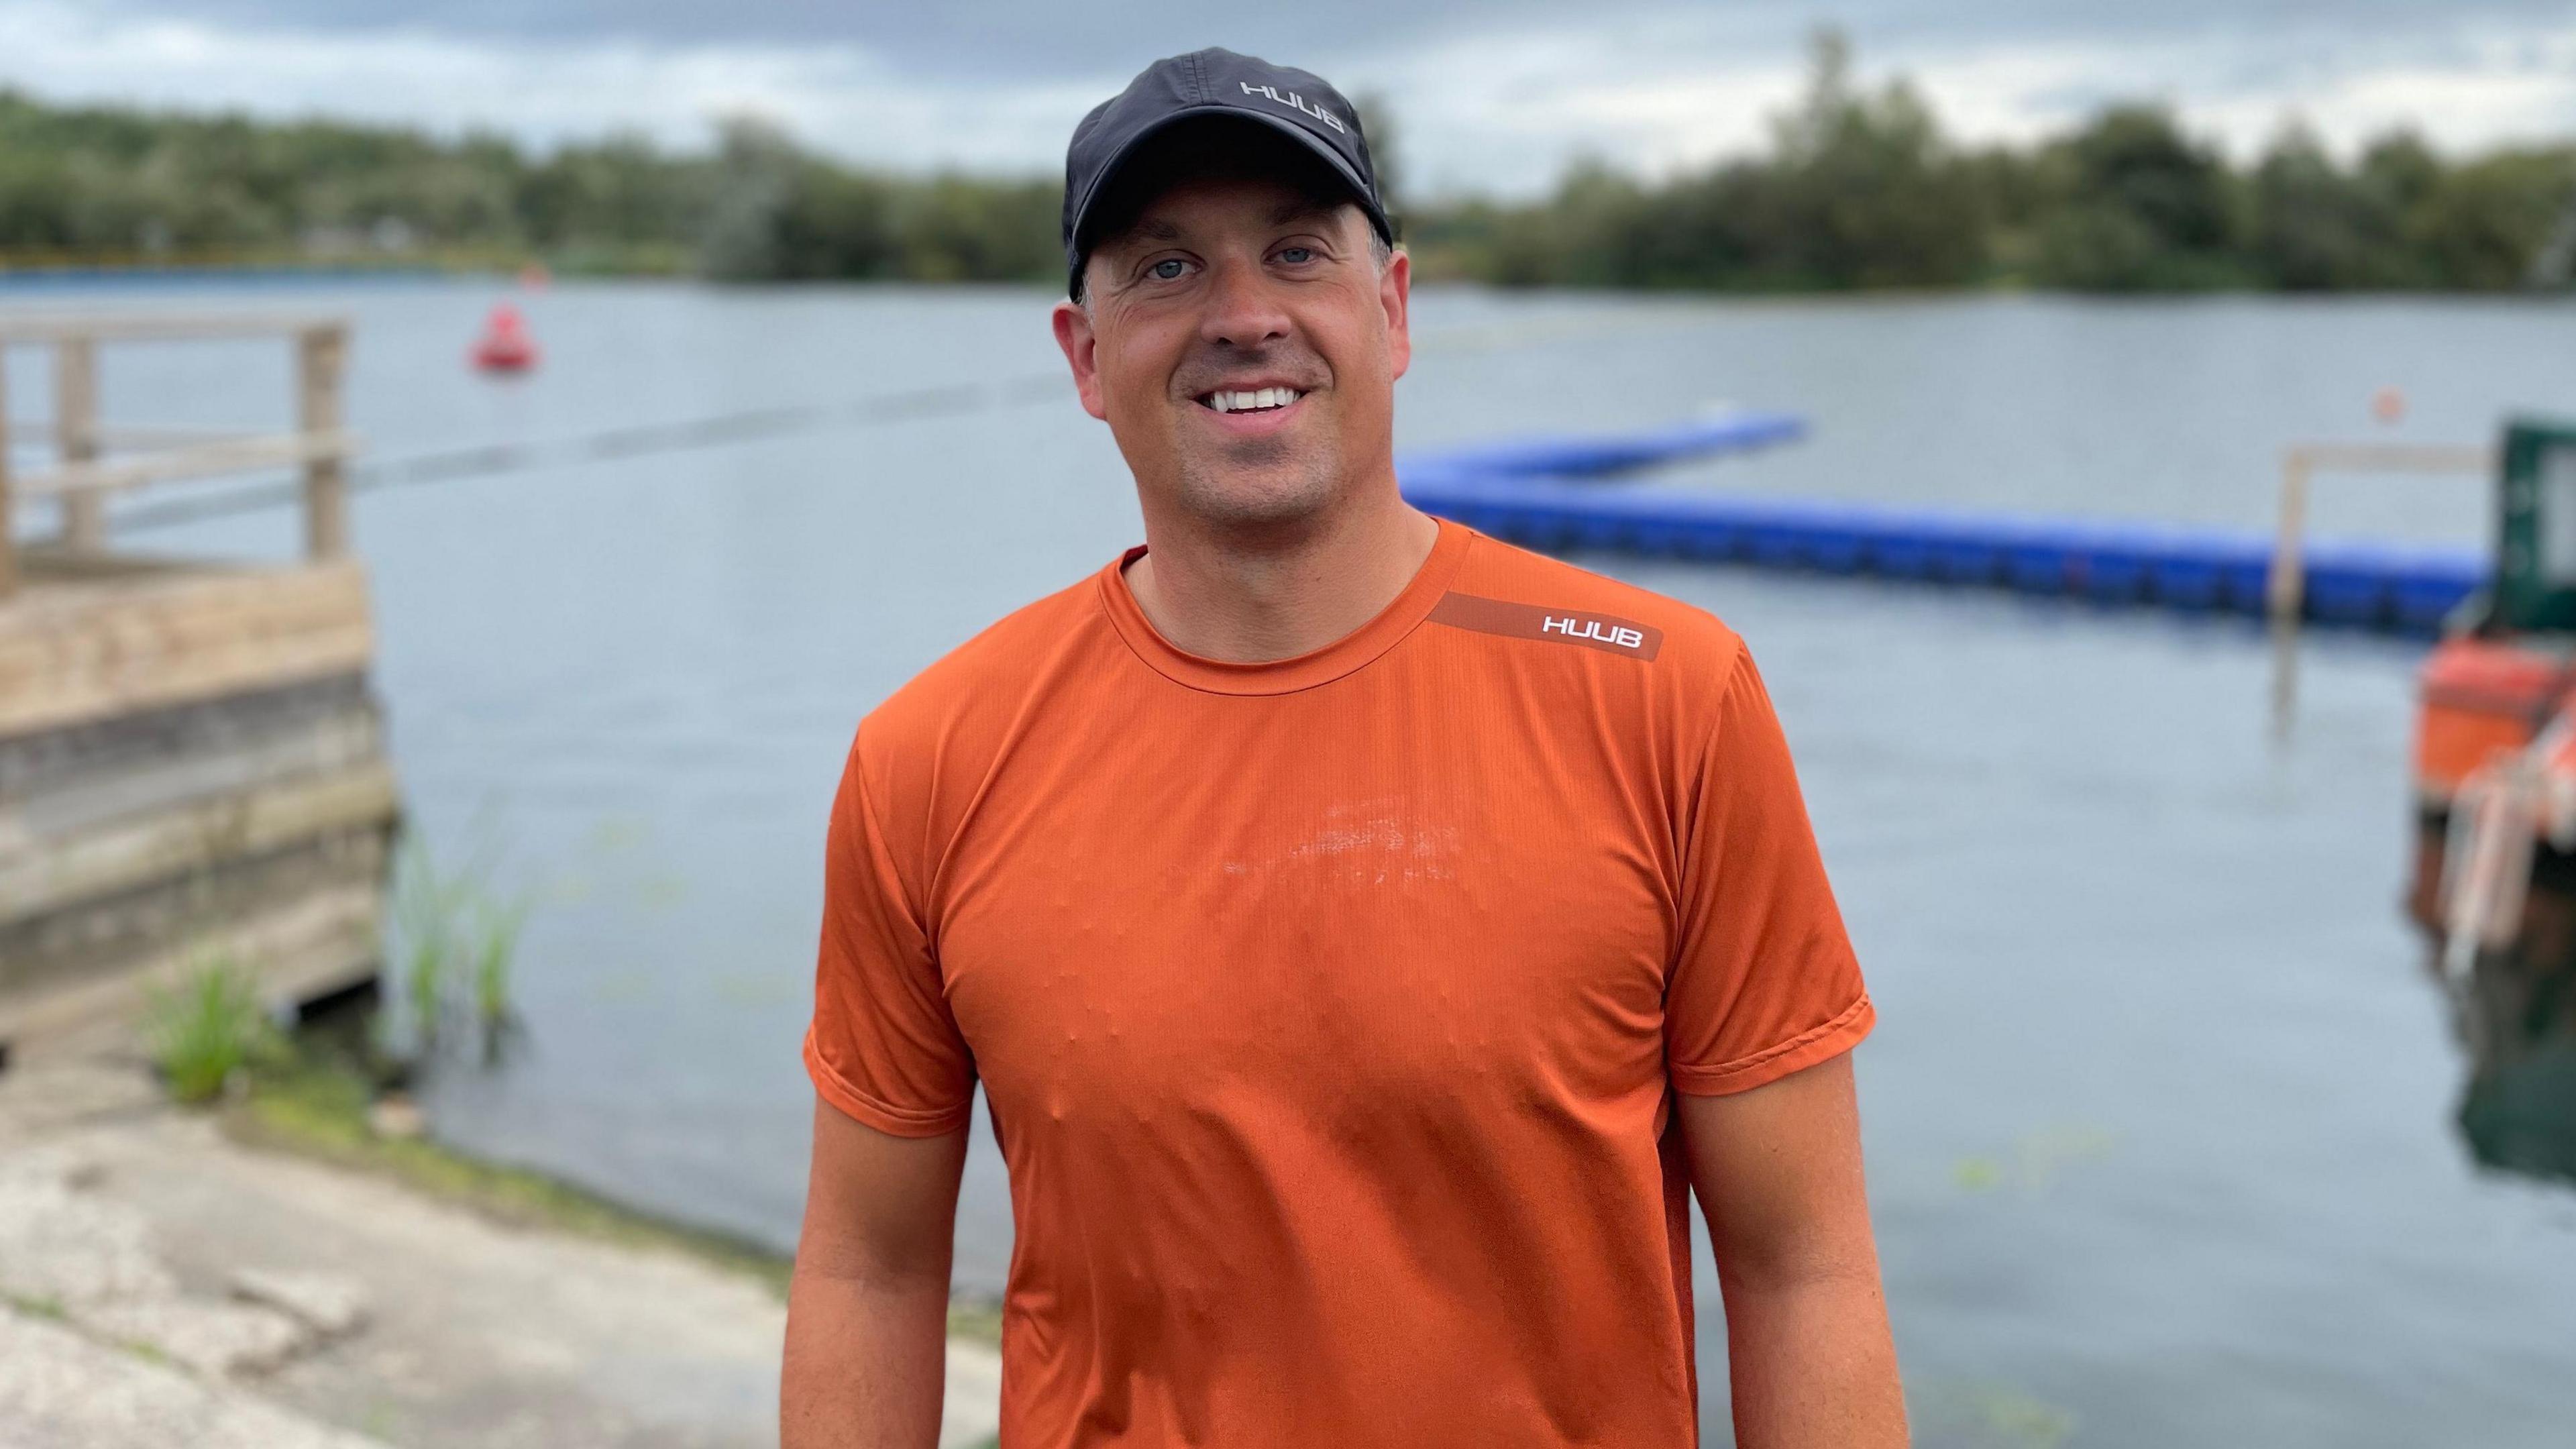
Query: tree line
pixel 1858 189
pixel 98 185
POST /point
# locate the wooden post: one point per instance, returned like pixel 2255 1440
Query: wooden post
pixel 2285 589
pixel 76 438
pixel 320 356
pixel 8 544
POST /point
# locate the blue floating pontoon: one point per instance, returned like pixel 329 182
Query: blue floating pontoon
pixel 2197 570
pixel 1543 492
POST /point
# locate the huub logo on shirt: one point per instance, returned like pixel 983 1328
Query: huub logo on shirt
pixel 1294 101
pixel 1574 626
pixel 1555 626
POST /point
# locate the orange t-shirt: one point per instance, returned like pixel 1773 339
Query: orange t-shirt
pixel 1327 1008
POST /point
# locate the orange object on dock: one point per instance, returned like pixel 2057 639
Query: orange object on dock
pixel 2480 696
pixel 505 345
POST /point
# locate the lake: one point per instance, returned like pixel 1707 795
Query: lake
pixel 2160 1114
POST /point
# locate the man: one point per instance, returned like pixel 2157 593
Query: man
pixel 1365 933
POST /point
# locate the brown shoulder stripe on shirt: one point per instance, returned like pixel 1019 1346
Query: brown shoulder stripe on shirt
pixel 1552 626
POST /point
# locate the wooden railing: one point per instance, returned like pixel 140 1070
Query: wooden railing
pixel 92 461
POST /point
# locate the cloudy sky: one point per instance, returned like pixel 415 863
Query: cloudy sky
pixel 1493 97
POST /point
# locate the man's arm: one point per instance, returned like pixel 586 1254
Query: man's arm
pixel 867 1307
pixel 1779 1178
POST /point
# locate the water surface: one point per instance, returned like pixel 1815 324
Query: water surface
pixel 2160 1111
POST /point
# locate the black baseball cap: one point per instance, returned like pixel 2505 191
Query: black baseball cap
pixel 1218 84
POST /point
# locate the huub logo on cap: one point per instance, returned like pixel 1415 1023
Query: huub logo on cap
pixel 1212 83
pixel 1296 102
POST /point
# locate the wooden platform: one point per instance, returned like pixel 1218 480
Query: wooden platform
pixel 191 765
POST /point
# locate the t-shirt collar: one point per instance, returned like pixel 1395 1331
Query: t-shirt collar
pixel 1303 671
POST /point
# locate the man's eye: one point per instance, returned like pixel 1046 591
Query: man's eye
pixel 1295 256
pixel 1165 270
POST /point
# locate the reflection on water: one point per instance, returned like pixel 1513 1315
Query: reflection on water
pixel 2515 1016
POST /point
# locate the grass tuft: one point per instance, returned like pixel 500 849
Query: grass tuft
pixel 39 1305
pixel 209 1030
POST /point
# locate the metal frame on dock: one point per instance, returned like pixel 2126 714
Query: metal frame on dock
pixel 2287 584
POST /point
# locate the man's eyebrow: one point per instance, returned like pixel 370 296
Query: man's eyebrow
pixel 1145 231
pixel 1300 209
pixel 1159 229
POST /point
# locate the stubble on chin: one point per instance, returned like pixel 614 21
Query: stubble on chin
pixel 1259 483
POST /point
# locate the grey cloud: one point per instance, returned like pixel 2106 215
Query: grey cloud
pixel 1005 40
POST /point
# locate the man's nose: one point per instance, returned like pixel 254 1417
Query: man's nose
pixel 1243 307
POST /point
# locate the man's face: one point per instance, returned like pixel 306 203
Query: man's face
pixel 1243 346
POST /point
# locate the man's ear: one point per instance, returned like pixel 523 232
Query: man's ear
pixel 1395 294
pixel 1082 350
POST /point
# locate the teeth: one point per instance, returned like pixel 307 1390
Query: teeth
pixel 1240 401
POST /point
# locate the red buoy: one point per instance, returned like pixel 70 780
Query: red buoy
pixel 505 345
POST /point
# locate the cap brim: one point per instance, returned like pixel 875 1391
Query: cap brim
pixel 1117 166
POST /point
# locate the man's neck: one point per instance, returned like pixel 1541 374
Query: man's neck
pixel 1252 600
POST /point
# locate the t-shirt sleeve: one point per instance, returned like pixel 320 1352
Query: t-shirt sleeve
pixel 1764 981
pixel 882 1046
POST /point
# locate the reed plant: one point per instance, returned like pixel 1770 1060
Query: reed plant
pixel 494 946
pixel 456 939
pixel 425 938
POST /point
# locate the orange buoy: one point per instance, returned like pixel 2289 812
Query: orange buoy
pixel 505 345
pixel 2388 405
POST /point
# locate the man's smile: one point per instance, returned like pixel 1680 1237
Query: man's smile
pixel 1243 400
pixel 1251 411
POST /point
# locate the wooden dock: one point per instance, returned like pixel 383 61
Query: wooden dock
pixel 191 757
